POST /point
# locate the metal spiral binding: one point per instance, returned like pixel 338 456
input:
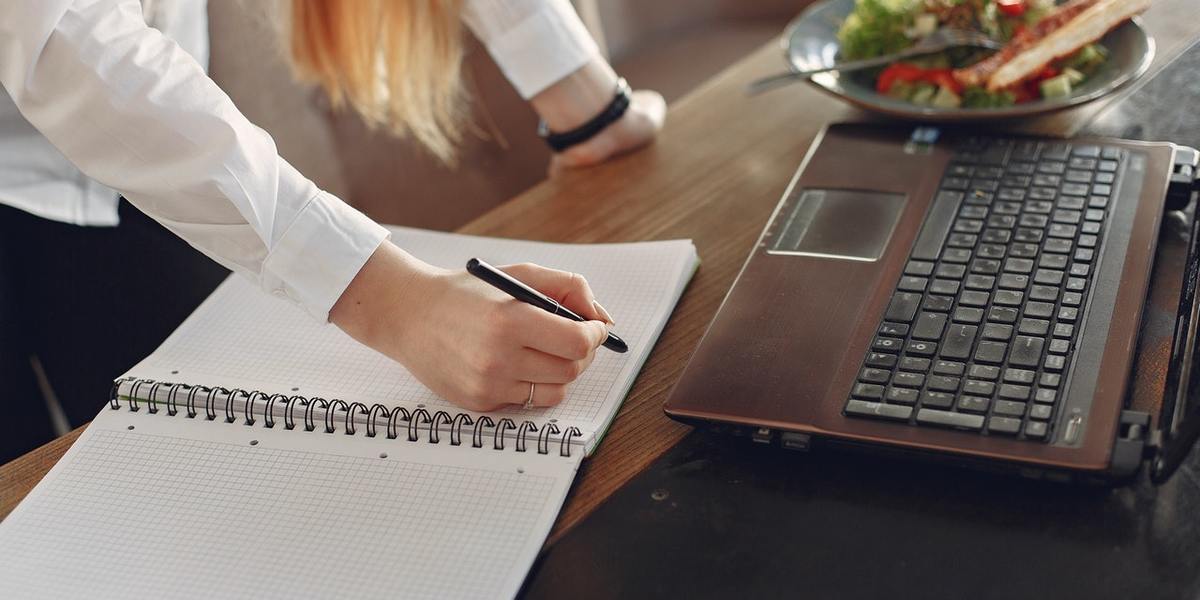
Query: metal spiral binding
pixel 256 404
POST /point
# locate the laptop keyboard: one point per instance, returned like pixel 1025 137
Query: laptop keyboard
pixel 979 332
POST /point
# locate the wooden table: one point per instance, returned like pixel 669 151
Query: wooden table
pixel 714 176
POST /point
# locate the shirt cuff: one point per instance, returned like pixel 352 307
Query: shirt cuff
pixel 543 48
pixel 320 253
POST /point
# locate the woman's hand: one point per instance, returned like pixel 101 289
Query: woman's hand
pixel 580 96
pixel 470 343
pixel 637 127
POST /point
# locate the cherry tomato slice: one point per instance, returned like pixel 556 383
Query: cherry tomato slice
pixel 943 78
pixel 1012 8
pixel 897 72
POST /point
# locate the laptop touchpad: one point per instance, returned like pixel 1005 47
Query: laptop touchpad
pixel 841 224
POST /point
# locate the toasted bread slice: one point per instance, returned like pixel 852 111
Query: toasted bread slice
pixel 1088 26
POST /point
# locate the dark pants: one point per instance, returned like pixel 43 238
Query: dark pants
pixel 89 302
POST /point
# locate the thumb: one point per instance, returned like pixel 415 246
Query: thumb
pixel 567 288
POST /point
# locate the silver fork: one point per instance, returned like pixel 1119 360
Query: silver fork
pixel 942 39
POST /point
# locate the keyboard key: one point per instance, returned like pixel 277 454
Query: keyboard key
pixel 903 307
pixel 878 410
pixel 918 268
pixel 948 367
pixel 880 360
pixel 944 418
pixel 1041 412
pixel 991 352
pixel 1041 310
pixel 939 303
pixel 987 372
pixel 958 341
pixel 929 326
pixel 946 287
pixel 918 348
pixel 893 329
pixel 912 284
pixel 1060 346
pixel 998 332
pixel 1022 376
pixel 979 388
pixel 1043 293
pixel 980 282
pixel 1009 298
pixel 872 375
pixel 974 298
pixel 1036 430
pixel 1002 314
pixel 1050 380
pixel 1006 425
pixel 902 395
pixel 966 314
pixel 1012 391
pixel 1026 351
pixel 1014 281
pixel 1034 327
pixel 949 271
pixel 973 404
pixel 884 344
pixel 869 391
pixel 1009 408
pixel 910 380
pixel 912 363
pixel 1054 362
pixel 937 400
pixel 1045 395
pixel 942 383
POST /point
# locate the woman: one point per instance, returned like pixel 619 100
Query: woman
pixel 136 113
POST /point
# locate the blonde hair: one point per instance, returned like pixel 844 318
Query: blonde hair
pixel 397 62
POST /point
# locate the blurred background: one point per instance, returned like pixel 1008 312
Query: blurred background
pixel 668 45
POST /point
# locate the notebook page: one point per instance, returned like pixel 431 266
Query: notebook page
pixel 243 338
pixel 153 506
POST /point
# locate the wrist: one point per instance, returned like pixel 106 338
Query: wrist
pixel 381 300
pixel 576 98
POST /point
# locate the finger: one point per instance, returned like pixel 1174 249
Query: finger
pixel 565 287
pixel 537 366
pixel 555 335
pixel 651 104
pixel 544 394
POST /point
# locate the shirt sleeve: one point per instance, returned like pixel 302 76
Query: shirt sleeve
pixel 135 112
pixel 534 42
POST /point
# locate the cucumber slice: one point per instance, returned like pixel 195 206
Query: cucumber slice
pixel 923 94
pixel 946 98
pixel 1057 87
pixel 901 90
pixel 1075 77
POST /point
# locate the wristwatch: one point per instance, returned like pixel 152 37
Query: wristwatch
pixel 611 113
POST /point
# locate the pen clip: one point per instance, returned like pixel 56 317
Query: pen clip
pixel 555 302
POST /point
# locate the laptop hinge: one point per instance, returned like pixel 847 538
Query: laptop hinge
pixel 1134 444
pixel 1185 178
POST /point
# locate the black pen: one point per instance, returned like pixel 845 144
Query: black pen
pixel 509 285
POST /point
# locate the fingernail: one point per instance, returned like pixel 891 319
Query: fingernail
pixel 603 313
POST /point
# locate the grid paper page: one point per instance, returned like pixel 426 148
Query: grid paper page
pixel 243 338
pixel 181 508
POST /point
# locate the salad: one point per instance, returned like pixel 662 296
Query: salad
pixel 944 80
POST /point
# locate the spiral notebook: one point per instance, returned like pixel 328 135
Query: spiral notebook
pixel 259 454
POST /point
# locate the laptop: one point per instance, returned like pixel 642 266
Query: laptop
pixel 972 298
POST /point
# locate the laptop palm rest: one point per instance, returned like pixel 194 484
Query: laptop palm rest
pixel 837 224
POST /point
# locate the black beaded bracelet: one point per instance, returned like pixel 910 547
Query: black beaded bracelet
pixel 611 113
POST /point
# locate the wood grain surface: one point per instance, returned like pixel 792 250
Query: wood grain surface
pixel 714 176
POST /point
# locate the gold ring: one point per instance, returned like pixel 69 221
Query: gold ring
pixel 529 400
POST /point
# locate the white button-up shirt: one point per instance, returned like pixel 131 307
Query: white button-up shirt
pixel 98 102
